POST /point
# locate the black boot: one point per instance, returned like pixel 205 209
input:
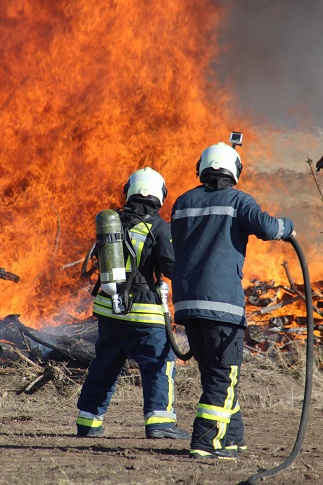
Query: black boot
pixel 205 432
pixel 240 445
pixel 88 432
pixel 172 432
pixel 222 454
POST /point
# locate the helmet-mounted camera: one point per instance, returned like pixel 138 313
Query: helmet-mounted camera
pixel 236 138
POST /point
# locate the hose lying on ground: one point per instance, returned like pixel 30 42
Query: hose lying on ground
pixel 308 374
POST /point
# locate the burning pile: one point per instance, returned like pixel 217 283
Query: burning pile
pixel 276 318
pixel 90 94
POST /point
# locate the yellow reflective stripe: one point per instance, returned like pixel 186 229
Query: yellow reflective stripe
pixel 228 403
pixel 137 246
pixel 169 373
pixel 136 307
pixel 152 318
pixel 138 236
pixel 236 408
pixel 158 420
pixel 213 418
pixel 217 441
pixel 91 423
pixel 200 452
pixel 141 228
pixel 147 308
pixel 128 265
pixel 221 414
pixel 159 415
pixel 139 252
pixel 214 413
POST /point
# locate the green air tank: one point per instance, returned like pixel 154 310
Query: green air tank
pixel 109 237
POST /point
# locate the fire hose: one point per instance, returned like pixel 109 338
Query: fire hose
pixel 308 375
pixel 163 288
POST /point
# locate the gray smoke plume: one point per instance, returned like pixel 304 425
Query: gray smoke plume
pixel 272 60
pixel 272 57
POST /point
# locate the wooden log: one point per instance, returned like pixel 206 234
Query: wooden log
pixel 46 346
pixel 271 308
pixel 10 333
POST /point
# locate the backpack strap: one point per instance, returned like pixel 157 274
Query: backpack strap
pixel 129 286
pixel 96 287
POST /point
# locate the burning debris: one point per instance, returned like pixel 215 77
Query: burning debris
pixel 62 349
pixel 60 354
pixel 72 343
pixel 283 329
pixel 54 353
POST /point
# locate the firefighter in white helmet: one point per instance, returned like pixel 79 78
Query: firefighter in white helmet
pixel 138 333
pixel 210 228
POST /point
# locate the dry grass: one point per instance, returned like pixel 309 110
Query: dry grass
pixel 39 429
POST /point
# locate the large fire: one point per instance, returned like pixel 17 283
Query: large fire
pixel 92 91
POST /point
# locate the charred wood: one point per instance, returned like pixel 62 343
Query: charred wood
pixel 256 301
pixel 6 275
pixel 271 308
pixel 43 346
pixel 7 354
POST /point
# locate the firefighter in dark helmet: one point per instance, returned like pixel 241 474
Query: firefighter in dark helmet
pixel 140 333
pixel 210 228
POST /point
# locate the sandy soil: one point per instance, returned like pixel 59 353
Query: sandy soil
pixel 38 443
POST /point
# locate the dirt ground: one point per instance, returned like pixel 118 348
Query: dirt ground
pixel 38 443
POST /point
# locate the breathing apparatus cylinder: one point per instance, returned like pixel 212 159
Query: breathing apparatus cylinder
pixel 109 237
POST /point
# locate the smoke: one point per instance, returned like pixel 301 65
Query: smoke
pixel 271 56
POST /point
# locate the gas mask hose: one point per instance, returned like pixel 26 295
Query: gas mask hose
pixel 308 373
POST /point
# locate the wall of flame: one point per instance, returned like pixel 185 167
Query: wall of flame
pixel 90 92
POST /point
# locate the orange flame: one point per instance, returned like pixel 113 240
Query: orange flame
pixel 90 93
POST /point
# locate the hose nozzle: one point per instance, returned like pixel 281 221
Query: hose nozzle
pixel 164 289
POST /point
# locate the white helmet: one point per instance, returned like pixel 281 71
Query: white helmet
pixel 146 182
pixel 217 160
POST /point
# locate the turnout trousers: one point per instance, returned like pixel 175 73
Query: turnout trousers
pixel 149 347
pixel 218 349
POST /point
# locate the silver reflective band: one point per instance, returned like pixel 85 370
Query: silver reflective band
pixel 139 237
pixel 209 305
pixel 280 232
pixel 86 415
pixel 205 211
pixel 160 414
pixel 216 412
